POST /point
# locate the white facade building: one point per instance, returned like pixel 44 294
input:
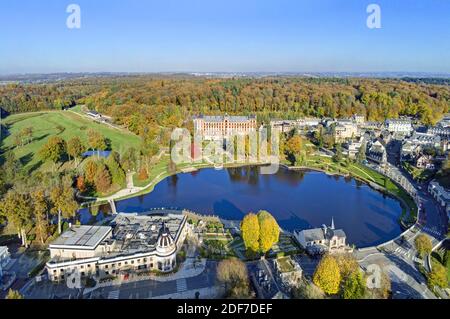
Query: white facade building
pixel 132 243
pixel 324 239
pixel 399 126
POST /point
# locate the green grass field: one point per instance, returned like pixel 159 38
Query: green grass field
pixel 45 125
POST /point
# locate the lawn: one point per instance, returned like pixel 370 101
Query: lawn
pixel 46 124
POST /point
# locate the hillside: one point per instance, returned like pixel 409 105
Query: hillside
pixel 65 124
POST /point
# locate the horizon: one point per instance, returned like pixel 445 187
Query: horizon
pixel 225 37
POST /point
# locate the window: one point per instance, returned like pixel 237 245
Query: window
pixel 89 266
pixel 113 265
pixel 106 266
pixel 132 262
pixel 106 272
pixel 82 267
pixel 82 273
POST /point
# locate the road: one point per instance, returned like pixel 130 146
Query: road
pixel 152 289
pixel 398 259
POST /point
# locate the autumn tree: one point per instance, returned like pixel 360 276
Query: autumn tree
pixel 81 184
pixel 327 275
pixel 41 207
pixel 354 286
pixel 62 197
pixel 437 277
pixel 102 179
pixel 293 147
pixel 347 264
pixel 269 231
pixel 13 294
pixel 53 150
pixel 233 274
pixel 143 174
pixel 96 141
pixel 250 232
pixel 423 245
pixel 75 148
pixel 18 211
pixel 90 170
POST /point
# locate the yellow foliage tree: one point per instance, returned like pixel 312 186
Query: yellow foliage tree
pixel 250 232
pixel 327 275
pixel 423 245
pixel 347 264
pixel 269 231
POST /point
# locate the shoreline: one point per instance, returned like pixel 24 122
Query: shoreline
pixel 370 184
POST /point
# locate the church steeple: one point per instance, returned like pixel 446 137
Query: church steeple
pixel 332 223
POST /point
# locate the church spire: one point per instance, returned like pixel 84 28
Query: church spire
pixel 332 223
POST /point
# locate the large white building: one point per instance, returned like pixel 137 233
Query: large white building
pixel 131 243
pixel 223 127
pixel 399 126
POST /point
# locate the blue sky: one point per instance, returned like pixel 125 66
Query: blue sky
pixel 219 35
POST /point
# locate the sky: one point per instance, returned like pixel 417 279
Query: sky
pixel 224 36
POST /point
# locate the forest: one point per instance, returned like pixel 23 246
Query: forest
pixel 145 104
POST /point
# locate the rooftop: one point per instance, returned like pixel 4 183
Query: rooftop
pixel 221 118
pixel 82 236
pixel 134 232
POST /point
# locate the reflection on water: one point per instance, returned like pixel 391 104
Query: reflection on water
pixel 298 200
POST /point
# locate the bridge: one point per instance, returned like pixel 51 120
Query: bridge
pixel 113 206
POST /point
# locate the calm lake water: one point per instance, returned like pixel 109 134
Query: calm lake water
pixel 297 199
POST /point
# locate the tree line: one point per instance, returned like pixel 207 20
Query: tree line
pixel 145 104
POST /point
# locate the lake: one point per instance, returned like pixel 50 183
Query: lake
pixel 297 199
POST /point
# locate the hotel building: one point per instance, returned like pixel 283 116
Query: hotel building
pixel 223 127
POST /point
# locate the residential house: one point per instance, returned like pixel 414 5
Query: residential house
pixel 376 152
pixel 425 162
